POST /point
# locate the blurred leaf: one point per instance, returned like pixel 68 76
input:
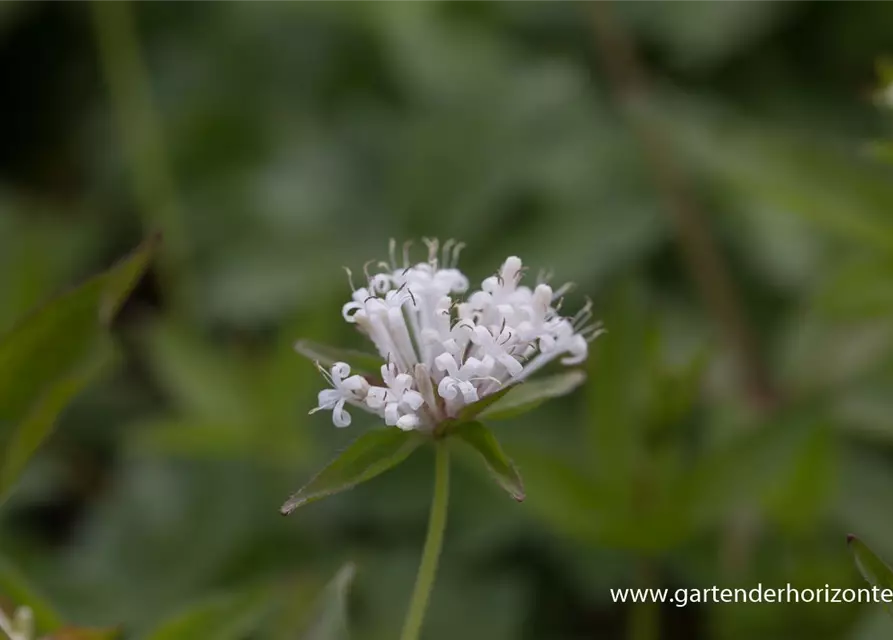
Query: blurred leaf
pixel 676 390
pixel 369 455
pixel 703 36
pixel 42 360
pixel 872 568
pixel 833 189
pixel 37 426
pixel 565 496
pixel 330 621
pixel 801 493
pixel 230 617
pixel 619 392
pixel 529 395
pixel 48 343
pixel 209 383
pixel 503 470
pixel 881 150
pixel 884 69
pixel 75 633
pixel 365 364
pixel 15 586
pixel 858 289
pixel 787 450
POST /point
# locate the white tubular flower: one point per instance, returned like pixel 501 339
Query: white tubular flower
pixel 445 347
pixel 345 388
pixel 459 378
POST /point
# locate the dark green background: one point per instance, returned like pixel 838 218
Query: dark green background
pixel 275 142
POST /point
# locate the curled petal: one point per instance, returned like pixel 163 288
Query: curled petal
pixel 340 370
pixel 413 399
pixel 511 365
pixel 409 422
pixel 578 350
pixel 447 388
pixel 446 362
pixel 340 417
pixel 349 311
pixel 356 384
pixel 469 392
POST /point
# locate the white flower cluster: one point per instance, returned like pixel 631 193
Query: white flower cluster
pixel 442 353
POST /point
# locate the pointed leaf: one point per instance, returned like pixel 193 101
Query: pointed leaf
pixel 872 568
pixel 503 470
pixel 330 619
pixel 471 411
pixel 369 455
pixel 37 426
pixel 529 395
pixel 362 363
pixel 53 353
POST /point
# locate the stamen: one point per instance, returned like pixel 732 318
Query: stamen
pixel 456 251
pixel 583 315
pixel 567 287
pixel 366 271
pixel 445 253
pixel 544 276
pixel 350 279
pixel 325 373
pixel 432 244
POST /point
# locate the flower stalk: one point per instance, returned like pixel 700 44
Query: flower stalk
pixel 433 543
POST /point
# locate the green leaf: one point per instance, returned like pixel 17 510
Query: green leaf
pixel 362 363
pixel 369 455
pixel 872 568
pixel 806 176
pixel 17 588
pixel 226 617
pixel 330 619
pixel 37 426
pixel 793 452
pixel 500 465
pixel 529 395
pixel 473 410
pixel 53 353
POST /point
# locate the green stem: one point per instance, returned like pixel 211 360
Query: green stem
pixel 433 543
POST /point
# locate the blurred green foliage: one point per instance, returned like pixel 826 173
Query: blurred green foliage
pixel 299 138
